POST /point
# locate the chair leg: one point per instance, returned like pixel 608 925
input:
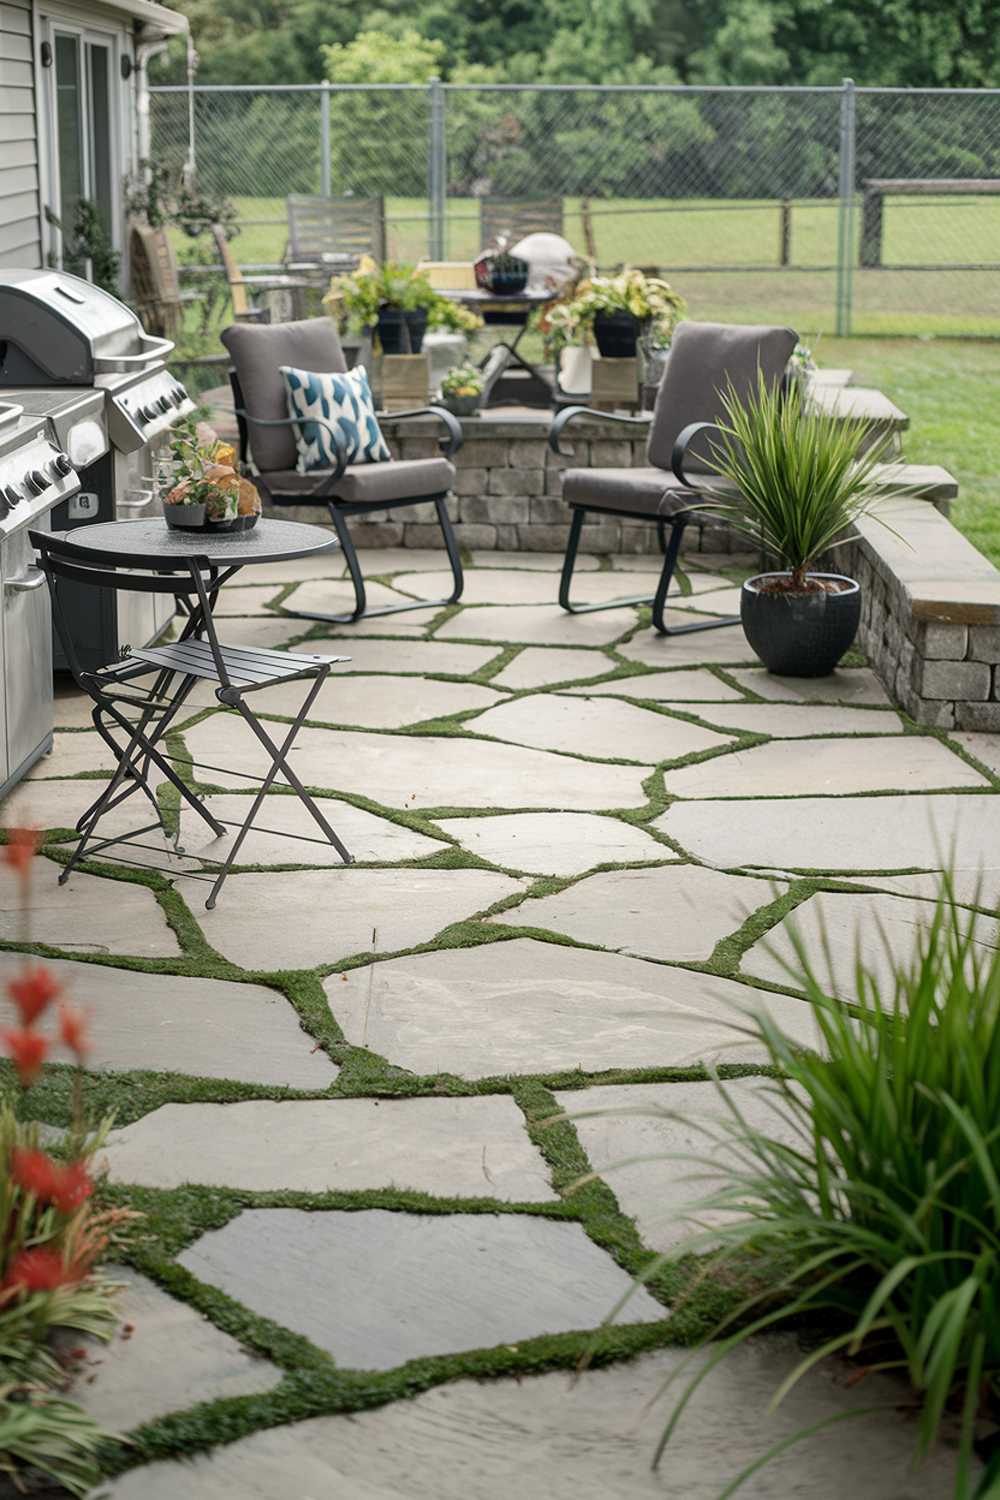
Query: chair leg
pixel 660 598
pixel 569 563
pixel 361 610
pixel 278 763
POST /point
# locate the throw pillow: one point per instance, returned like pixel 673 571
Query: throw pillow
pixel 345 401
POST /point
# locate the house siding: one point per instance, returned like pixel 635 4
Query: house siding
pixel 20 242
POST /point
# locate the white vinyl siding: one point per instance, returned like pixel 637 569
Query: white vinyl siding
pixel 20 244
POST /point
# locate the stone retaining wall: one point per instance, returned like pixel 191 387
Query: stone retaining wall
pixel 508 489
pixel 930 622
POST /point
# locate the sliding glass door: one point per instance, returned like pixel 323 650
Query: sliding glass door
pixel 84 127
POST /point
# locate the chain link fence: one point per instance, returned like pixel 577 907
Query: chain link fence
pixel 836 209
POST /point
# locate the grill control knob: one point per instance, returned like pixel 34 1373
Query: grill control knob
pixel 164 403
pixel 61 465
pixel 36 481
pixel 12 495
pixel 179 395
pixel 149 413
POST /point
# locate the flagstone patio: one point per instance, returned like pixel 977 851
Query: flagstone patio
pixel 364 1268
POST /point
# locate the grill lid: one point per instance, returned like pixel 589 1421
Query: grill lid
pixel 56 329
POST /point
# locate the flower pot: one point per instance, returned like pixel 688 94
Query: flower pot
pixel 506 275
pixel 401 332
pixel 617 334
pixel 461 406
pixel 799 634
pixel 184 517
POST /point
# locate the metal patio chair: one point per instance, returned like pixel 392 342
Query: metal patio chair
pixel 142 713
pixel 268 450
pixel 704 359
pixel 325 230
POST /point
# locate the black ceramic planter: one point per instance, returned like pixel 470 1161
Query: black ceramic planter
pixel 617 334
pixel 401 332
pixel 800 635
pixel 506 275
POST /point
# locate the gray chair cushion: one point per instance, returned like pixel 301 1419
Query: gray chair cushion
pixel 368 484
pixel 258 351
pixel 639 491
pixel 702 356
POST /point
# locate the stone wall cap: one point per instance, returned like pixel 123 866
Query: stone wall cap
pixel 942 575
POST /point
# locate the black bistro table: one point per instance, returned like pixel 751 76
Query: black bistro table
pixel 138 547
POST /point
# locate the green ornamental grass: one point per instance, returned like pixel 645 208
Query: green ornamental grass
pixel 805 476
pixel 879 1225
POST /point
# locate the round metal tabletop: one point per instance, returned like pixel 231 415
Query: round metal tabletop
pixel 151 537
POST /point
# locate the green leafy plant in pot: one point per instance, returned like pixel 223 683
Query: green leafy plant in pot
pixel 800 479
pixel 399 301
pixel 462 390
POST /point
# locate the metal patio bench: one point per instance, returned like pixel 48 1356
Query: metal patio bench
pixel 704 359
pixel 143 712
pixel 268 450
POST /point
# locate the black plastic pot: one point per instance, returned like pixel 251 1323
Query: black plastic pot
pixel 800 635
pixel 506 275
pixel 617 334
pixel 401 332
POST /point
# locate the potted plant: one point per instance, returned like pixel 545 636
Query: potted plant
pixel 462 390
pixel 206 489
pixel 399 301
pixel 803 482
pixel 617 309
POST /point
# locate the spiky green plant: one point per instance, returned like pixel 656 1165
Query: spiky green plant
pixel 805 476
pixel 874 1212
pixel 38 1431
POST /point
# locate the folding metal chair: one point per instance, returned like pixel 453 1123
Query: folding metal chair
pixel 142 713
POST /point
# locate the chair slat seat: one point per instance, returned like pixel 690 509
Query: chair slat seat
pixel 246 666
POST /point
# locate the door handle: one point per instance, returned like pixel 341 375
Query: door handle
pixel 139 504
pixel 27 582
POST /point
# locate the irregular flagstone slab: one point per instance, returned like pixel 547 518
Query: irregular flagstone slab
pixel 405 656
pixel 60 804
pixel 646 1136
pixel 530 1007
pixel 172 1358
pixel 721 601
pixel 262 630
pixel 601 588
pixel 586 1437
pixel 377 702
pixel 72 709
pixel 684 686
pixel 553 843
pixel 595 727
pixel 74 751
pixel 328 596
pixel 294 569
pixel 409 771
pixel 539 666
pixel 304 918
pixel 237 599
pixel 484 586
pixel 799 721
pixel 847 685
pixel 838 929
pixel 673 911
pixel 543 562
pixel 842 833
pixel 87 914
pixel 210 1028
pixel 385 1287
pixel 475 1148
pixel 411 625
pixel 536 625
pixel 985 747
pixel 709 647
pixel 283 822
pixel 380 561
pixel 831 767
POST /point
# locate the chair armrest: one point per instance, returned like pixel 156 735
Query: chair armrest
pixel 455 437
pixel 684 440
pixel 570 413
pixel 335 437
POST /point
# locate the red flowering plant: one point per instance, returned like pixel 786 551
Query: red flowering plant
pixel 52 1233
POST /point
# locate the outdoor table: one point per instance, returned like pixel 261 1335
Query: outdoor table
pixel 138 546
pixel 514 309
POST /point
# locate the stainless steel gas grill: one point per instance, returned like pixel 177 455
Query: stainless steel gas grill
pixel 35 475
pixel 78 357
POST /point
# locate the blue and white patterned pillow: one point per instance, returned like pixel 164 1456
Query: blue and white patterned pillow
pixel 345 401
